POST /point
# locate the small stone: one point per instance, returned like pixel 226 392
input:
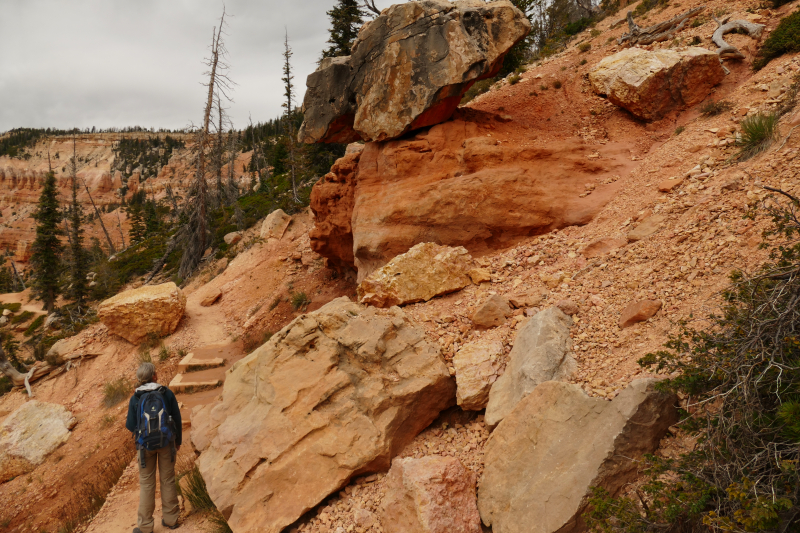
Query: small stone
pixel 480 275
pixel 668 185
pixel 492 313
pixel 232 238
pixel 211 299
pixel 527 299
pixel 568 307
pixel 637 312
pixel 646 228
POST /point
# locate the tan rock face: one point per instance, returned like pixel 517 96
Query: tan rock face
pixel 150 309
pixel 453 185
pixel 432 494
pixel 480 275
pixel 636 312
pixel 493 312
pixel 274 226
pixel 337 393
pixel 477 366
pixel 409 69
pixel 542 352
pixel 651 83
pixel 30 434
pixel 425 271
pixel 542 459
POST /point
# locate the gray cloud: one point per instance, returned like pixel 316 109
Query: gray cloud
pixel 104 63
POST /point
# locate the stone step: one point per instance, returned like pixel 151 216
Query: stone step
pixel 179 385
pixel 190 363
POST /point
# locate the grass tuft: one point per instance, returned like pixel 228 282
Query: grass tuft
pixel 712 108
pixel 758 134
pixel 196 493
pixel 300 300
pixel 515 79
pixel 584 47
pixel 679 130
pixel 557 84
pixel 116 391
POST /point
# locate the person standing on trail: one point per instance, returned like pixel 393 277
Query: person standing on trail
pixel 154 418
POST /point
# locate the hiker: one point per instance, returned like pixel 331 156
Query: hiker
pixel 154 418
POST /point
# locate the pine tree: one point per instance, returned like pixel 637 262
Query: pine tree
pixel 291 142
pixel 346 19
pixel 47 248
pixel 80 261
pixel 135 212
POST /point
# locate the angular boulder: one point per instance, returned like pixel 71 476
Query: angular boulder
pixel 30 434
pixel 649 84
pixel 232 238
pixel 138 312
pixel 493 312
pixel 541 461
pixel 409 68
pixel 335 394
pixel 274 226
pixel 433 494
pixel 542 352
pixel 425 271
pixel 477 366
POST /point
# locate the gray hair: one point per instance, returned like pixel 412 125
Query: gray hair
pixel 145 373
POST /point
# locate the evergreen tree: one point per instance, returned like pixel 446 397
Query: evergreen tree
pixel 135 211
pixel 346 19
pixel 80 262
pixel 47 248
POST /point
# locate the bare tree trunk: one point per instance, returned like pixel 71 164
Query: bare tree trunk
pixel 112 250
pixel 657 32
pixel 16 273
pixel 727 51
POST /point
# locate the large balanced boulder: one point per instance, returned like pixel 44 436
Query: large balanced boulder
pixel 456 185
pixel 137 313
pixel 649 84
pixel 30 434
pixel 274 226
pixel 543 458
pixel 409 68
pixel 335 394
pixel 542 352
pixel 425 271
pixel 433 494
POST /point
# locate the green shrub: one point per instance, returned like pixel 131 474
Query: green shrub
pixel 758 134
pixel 22 317
pixel 557 84
pixel 584 47
pixel 785 39
pixel 117 390
pixel 679 130
pixel 712 108
pixel 36 324
pixel 14 308
pixel 647 5
pixel 163 353
pixel 596 33
pixel 515 79
pixel 583 61
pixel 741 375
pixel 574 28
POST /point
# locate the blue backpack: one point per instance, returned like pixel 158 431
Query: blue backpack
pixel 155 427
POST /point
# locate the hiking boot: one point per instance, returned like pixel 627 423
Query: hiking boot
pixel 167 526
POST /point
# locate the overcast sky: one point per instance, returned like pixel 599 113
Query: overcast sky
pixel 103 63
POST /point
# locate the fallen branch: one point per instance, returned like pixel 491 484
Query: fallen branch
pixel 657 32
pixel 727 51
